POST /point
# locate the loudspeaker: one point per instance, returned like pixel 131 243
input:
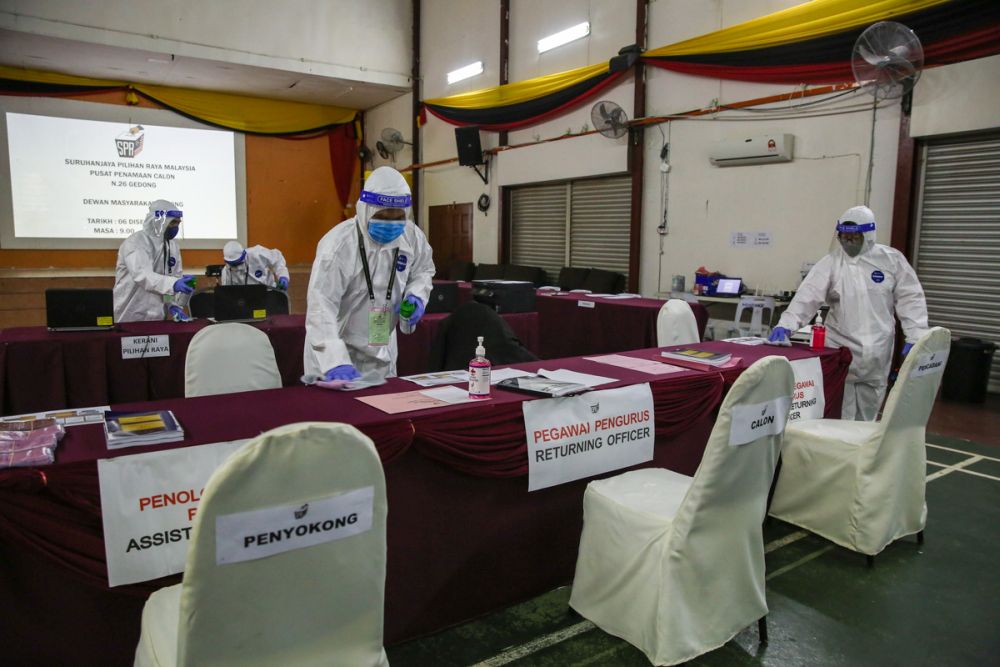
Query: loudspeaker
pixel 470 150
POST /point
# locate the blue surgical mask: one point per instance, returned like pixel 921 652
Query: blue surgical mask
pixel 385 232
pixel 171 232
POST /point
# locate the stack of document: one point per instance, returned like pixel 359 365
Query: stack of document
pixel 130 429
pixel 706 357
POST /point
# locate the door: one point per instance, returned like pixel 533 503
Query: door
pixel 451 236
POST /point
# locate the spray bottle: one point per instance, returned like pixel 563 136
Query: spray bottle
pixel 818 339
pixel 479 373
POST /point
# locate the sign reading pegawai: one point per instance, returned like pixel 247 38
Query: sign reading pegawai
pixel 148 502
pixel 581 436
pixel 808 399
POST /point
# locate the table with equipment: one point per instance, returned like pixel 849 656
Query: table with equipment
pixel 464 535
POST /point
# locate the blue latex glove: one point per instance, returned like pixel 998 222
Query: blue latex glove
pixel 177 314
pixel 411 309
pixel 779 334
pixel 906 349
pixel 283 284
pixel 184 284
pixel 344 372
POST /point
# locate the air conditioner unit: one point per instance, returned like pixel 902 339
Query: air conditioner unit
pixel 753 150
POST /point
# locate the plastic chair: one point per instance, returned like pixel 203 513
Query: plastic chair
pixel 317 604
pixel 227 358
pixel 756 305
pixel 673 564
pixel 676 324
pixel 861 484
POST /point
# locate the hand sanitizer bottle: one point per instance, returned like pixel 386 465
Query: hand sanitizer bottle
pixel 479 373
pixel 818 339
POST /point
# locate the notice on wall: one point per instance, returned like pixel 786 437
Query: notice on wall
pixel 148 503
pixel 144 347
pixel 808 399
pixel 749 239
pixel 593 433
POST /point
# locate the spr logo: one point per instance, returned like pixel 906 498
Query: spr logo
pixel 129 143
pixel 301 512
pixel 595 408
pixel 877 276
pixel 401 263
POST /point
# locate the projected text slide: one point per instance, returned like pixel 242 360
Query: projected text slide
pixel 87 179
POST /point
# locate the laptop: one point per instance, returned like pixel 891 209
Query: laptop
pixel 240 303
pixel 79 309
pixel 729 287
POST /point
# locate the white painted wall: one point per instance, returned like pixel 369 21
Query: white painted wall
pixel 367 41
pixel 796 202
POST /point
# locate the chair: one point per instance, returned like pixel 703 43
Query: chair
pixel 571 277
pixel 276 302
pixel 531 274
pixel 460 270
pixel 676 324
pixel 756 305
pixel 229 357
pixel 488 272
pixel 318 604
pixel 455 342
pixel 600 281
pixel 202 304
pixel 674 564
pixel 861 484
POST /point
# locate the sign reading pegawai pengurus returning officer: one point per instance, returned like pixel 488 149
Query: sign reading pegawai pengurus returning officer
pixel 581 436
pixel 148 504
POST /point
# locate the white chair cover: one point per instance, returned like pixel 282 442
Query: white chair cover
pixel 319 605
pixel 675 564
pixel 676 324
pixel 229 357
pixel 861 484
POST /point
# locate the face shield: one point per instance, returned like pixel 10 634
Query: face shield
pixel 385 205
pixel 856 230
pixel 172 219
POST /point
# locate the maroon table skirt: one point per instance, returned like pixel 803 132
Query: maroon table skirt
pixel 44 370
pixel 464 535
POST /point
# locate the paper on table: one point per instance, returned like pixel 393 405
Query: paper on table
pixel 745 340
pixel 406 401
pixel 617 296
pixel 564 375
pixel 66 417
pixel 499 374
pixel 641 365
pixel 436 379
pixel 449 394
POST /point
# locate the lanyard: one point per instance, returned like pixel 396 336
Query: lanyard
pixel 368 275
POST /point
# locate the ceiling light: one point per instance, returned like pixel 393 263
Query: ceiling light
pixel 564 37
pixel 465 72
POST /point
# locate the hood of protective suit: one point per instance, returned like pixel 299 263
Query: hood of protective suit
pixel 155 225
pixel 232 252
pixel 384 188
pixel 857 219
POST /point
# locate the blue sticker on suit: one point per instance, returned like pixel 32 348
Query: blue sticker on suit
pixel 877 276
pixel 401 263
pixel 171 261
pixel 258 273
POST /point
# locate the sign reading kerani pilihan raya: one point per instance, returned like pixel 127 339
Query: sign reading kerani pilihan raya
pixel 148 503
pixel 586 435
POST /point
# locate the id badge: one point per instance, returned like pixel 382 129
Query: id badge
pixel 378 326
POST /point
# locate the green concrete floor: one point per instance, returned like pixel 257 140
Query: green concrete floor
pixel 935 604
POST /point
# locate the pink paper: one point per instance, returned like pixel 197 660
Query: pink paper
pixel 406 401
pixel 641 365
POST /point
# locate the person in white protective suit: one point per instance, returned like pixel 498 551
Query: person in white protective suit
pixel 864 283
pixel 368 273
pixel 149 268
pixel 252 266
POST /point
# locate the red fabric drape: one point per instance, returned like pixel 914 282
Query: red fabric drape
pixel 343 160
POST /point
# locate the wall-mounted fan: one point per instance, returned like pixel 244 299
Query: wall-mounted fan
pixel 886 61
pixel 391 143
pixel 609 119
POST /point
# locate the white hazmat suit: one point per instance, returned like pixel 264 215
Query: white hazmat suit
pixel 261 266
pixel 337 314
pixel 863 293
pixel 148 266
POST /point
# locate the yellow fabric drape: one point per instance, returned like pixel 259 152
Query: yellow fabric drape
pixel 522 91
pixel 806 21
pixel 237 112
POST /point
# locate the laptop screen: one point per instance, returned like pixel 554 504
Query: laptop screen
pixel 79 308
pixel 728 286
pixel 240 302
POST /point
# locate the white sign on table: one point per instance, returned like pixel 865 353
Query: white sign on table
pixel 756 420
pixel 808 399
pixel 145 347
pixel 593 433
pixel 148 502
